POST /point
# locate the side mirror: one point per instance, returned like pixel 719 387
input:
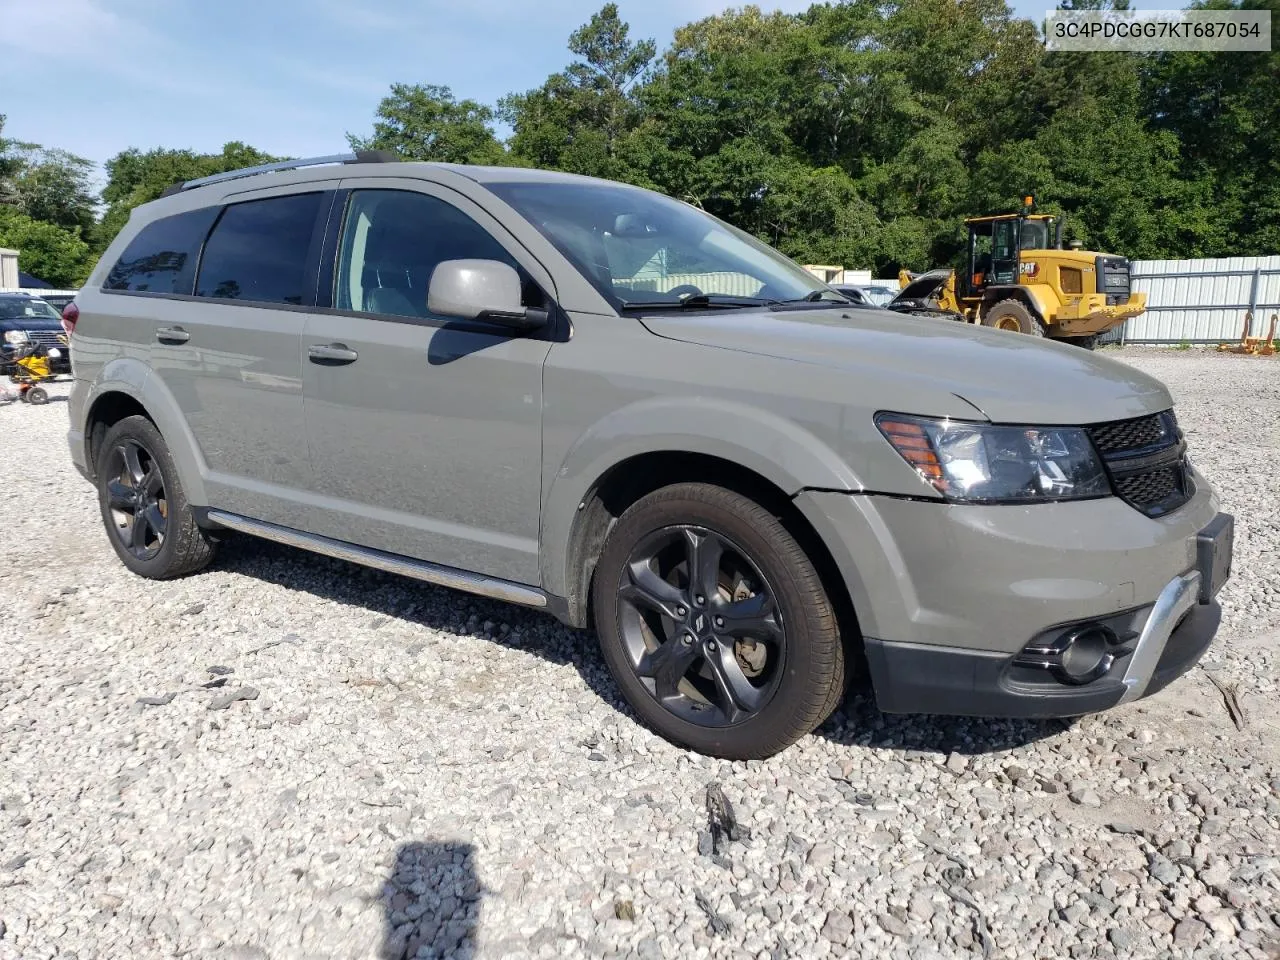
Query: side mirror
pixel 485 290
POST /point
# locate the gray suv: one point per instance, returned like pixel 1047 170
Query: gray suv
pixel 589 398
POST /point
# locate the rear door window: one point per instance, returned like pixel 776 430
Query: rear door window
pixel 260 250
pixel 162 257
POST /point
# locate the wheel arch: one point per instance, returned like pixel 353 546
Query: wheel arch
pixel 634 477
pixel 123 391
pixel 1041 302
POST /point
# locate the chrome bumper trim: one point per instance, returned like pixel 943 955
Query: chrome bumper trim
pixel 1176 599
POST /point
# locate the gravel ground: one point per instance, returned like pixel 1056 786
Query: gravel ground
pixel 340 763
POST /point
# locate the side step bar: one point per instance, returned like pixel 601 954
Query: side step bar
pixel 380 560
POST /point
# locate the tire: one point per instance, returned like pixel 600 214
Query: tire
pixel 1084 343
pixel 779 633
pixel 1013 315
pixel 37 396
pixel 149 522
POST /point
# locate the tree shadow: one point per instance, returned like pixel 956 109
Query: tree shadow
pixel 431 902
pixel 857 722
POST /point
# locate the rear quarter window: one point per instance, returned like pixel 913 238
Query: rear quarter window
pixel 162 257
pixel 259 251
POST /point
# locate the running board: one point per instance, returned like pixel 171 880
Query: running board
pixel 417 569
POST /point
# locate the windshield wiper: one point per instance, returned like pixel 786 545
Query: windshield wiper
pixel 814 296
pixel 700 301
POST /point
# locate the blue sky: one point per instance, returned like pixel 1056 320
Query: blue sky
pixel 287 76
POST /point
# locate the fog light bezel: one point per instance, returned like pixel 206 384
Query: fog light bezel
pixel 1053 657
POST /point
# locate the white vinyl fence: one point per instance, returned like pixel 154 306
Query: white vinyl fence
pixel 1201 301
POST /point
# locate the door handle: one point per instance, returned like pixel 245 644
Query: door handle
pixel 331 354
pixel 172 335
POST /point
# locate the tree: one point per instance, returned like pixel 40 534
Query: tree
pixel 578 119
pixel 53 186
pixel 429 123
pixel 134 178
pixel 45 250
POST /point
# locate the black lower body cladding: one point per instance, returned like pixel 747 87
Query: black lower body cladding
pixel 912 678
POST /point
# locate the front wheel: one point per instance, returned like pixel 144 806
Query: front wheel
pixel 715 624
pixel 1014 316
pixel 148 519
pixel 37 396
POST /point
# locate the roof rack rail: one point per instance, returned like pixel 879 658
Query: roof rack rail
pixel 360 156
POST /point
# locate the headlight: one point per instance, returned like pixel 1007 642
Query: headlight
pixel 981 463
pixel 16 336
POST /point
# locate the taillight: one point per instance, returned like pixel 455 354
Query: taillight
pixel 70 314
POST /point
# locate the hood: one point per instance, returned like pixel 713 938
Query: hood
pixel 30 323
pixel 1010 377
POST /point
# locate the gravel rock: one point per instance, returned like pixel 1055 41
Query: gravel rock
pixel 227 699
pixel 839 926
pixel 417 773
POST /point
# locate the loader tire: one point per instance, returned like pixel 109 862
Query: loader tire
pixel 1013 315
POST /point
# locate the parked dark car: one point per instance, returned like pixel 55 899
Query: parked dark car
pixel 25 321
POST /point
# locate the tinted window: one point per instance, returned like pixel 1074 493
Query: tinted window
pixel 258 251
pixel 392 241
pixel 162 257
pixel 22 308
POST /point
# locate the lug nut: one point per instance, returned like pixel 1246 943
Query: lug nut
pixel 699 599
pixel 711 646
pixel 687 639
pixel 681 611
pixel 719 621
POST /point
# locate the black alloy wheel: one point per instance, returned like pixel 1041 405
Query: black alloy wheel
pixel 715 624
pixel 701 626
pixel 136 498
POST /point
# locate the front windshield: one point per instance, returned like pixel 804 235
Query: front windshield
pixel 1035 235
pixel 637 247
pixel 18 308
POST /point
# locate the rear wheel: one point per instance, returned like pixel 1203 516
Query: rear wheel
pixel 715 624
pixel 37 395
pixel 149 522
pixel 1014 316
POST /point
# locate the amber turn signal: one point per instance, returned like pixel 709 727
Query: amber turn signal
pixel 911 441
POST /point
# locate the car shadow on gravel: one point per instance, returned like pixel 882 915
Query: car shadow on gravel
pixel 432 899
pixel 389 596
pixel 857 723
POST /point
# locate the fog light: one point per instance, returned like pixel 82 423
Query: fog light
pixel 1084 655
pixel 1079 656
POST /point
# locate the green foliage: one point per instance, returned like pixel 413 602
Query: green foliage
pixel 579 118
pixel 135 177
pixel 429 123
pixel 46 250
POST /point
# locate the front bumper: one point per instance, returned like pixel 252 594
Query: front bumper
pixel 911 678
pixel 1091 314
pixel 948 596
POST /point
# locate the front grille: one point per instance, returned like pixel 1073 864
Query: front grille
pixel 1145 459
pixel 48 338
pixel 1113 279
pixel 1129 437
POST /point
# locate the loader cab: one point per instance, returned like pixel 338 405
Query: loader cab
pixel 995 244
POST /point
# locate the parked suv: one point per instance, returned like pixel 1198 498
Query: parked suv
pixel 29 323
pixel 589 398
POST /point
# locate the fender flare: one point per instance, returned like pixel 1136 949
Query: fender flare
pixel 128 376
pixel 780 451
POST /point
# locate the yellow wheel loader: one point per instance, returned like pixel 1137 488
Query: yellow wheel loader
pixel 1017 277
